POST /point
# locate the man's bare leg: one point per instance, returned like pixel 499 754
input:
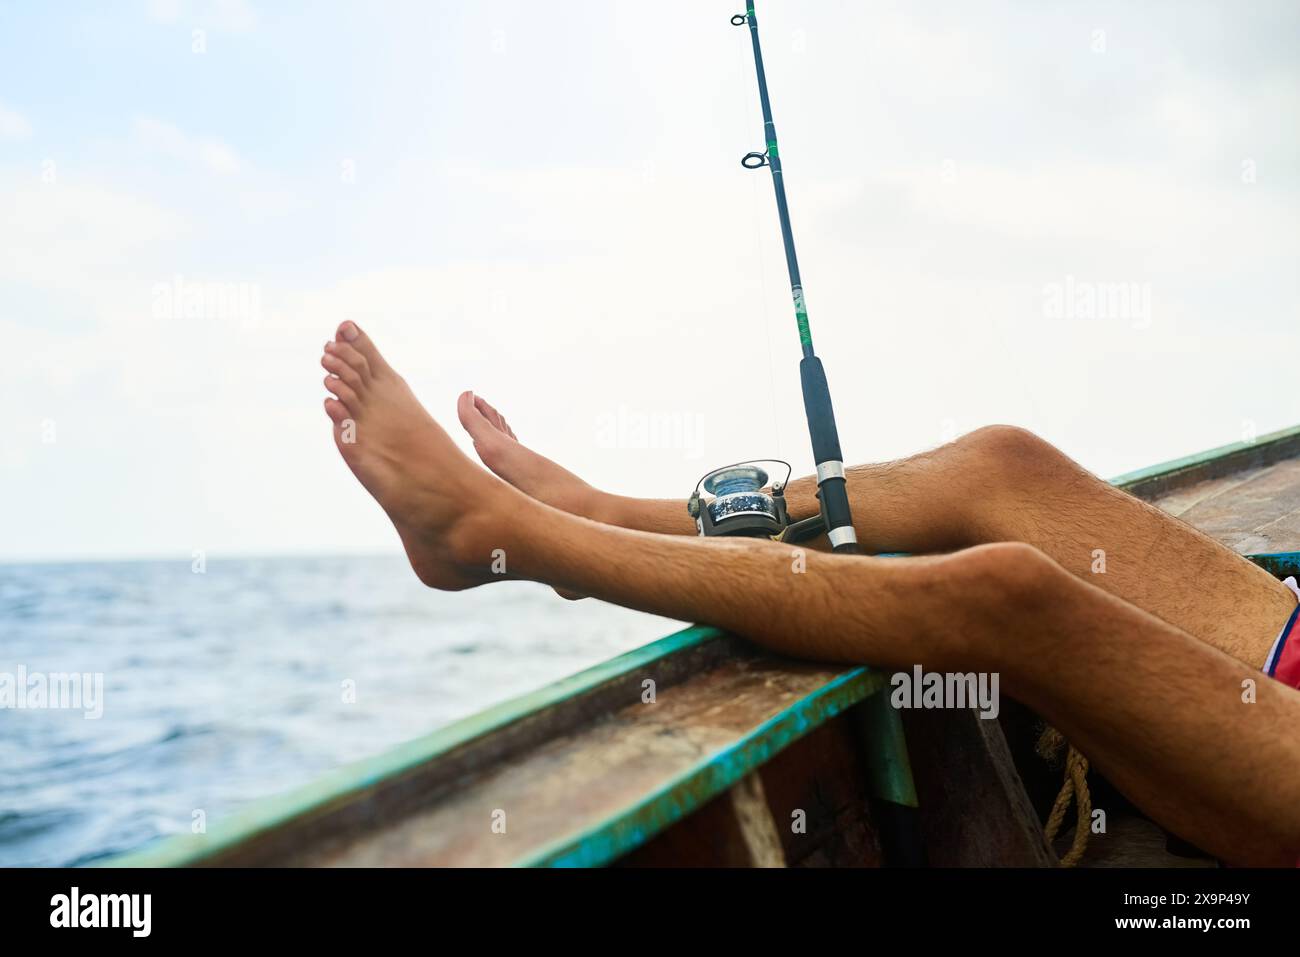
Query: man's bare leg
pixel 1160 712
pixel 995 485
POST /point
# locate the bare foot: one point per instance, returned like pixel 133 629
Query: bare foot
pixel 408 463
pixel 533 474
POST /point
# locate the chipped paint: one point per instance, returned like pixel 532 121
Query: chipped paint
pixel 621 833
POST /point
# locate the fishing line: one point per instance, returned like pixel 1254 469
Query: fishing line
pixel 762 278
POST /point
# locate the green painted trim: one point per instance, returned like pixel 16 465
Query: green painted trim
pixel 889 764
pixel 272 812
pixel 1278 564
pixel 1200 458
pixel 634 826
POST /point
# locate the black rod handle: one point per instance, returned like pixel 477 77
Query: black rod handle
pixel 817 406
pixel 826 453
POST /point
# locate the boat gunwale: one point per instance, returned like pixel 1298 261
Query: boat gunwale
pixel 1224 460
pixel 354 778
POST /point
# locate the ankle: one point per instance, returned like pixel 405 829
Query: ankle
pixel 477 543
pixel 604 508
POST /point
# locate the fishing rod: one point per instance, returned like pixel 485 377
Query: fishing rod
pixel 831 489
pixel 739 506
pixel 733 501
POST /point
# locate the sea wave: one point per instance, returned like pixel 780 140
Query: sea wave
pixel 251 678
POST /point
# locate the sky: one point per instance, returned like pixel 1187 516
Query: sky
pixel 1077 218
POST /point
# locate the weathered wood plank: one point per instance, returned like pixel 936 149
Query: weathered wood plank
pixel 1180 500
pixel 821 791
pixel 711 837
pixel 600 775
pixel 758 833
pixel 356 797
pixel 974 811
pixel 1135 841
pixel 1255 511
pixel 1259 514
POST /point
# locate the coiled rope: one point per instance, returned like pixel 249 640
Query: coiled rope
pixel 1074 787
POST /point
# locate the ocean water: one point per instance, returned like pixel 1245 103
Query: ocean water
pixel 230 685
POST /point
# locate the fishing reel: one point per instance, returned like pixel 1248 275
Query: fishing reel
pixel 733 501
pixel 736 503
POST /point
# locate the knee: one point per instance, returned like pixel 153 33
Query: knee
pixel 1002 455
pixel 1005 588
pixel 1009 444
pixel 989 605
pixel 1011 573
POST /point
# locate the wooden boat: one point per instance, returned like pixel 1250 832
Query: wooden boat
pixel 739 757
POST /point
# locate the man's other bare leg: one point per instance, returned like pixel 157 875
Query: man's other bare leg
pixel 997 484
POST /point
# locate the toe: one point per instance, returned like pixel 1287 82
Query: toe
pixel 495 417
pixel 349 332
pixel 480 428
pixel 343 371
pixel 337 411
pixel 491 414
pixel 353 358
pixel 345 392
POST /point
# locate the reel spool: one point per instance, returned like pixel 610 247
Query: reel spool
pixel 732 501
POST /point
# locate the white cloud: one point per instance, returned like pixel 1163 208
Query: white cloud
pixel 209 152
pixel 70 232
pixel 226 16
pixel 165 11
pixel 1082 202
pixel 218 157
pixel 13 125
pixel 233 16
